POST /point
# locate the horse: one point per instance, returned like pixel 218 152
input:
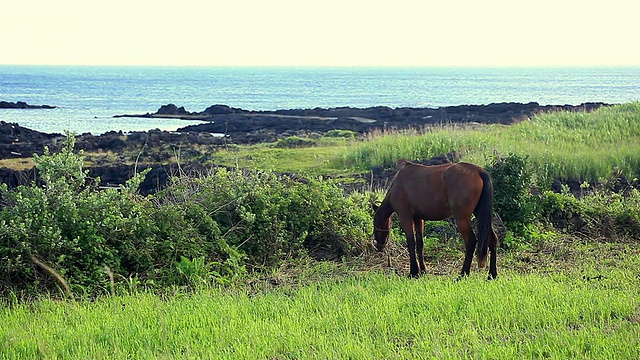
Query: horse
pixel 419 192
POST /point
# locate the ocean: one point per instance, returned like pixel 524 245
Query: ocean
pixel 87 97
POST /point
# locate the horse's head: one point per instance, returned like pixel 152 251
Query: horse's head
pixel 382 228
pixel 381 234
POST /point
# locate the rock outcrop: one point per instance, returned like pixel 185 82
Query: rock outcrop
pixel 22 105
pixel 17 141
pixel 246 126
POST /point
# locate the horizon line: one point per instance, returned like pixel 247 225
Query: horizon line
pixel 332 66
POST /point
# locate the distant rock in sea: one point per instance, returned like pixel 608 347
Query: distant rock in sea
pixel 22 105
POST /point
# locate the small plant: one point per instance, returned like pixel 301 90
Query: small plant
pixel 132 284
pixel 294 142
pixel 341 134
pixel 195 273
pixel 597 213
pixel 71 228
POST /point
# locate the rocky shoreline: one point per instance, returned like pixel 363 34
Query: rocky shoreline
pixel 246 126
pixel 240 126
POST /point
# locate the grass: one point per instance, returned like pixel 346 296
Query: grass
pixel 17 163
pixel 315 160
pixel 357 315
pixel 591 146
pixel 577 145
pixel 559 298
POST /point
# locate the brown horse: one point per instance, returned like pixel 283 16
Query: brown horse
pixel 420 192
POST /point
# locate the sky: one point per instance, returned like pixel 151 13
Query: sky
pixel 320 32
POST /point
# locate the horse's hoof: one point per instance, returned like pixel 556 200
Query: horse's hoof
pixel 492 277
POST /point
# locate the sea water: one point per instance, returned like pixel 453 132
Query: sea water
pixel 87 97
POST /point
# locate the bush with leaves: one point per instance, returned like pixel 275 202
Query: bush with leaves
pixel 74 230
pixel 512 183
pixel 597 214
pixel 294 142
pixel 262 218
pixel 188 233
pixel 65 231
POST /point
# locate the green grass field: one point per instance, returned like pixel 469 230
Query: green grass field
pixel 588 311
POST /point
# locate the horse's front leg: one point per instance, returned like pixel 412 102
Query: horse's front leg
pixel 407 227
pixel 413 262
pixel 419 228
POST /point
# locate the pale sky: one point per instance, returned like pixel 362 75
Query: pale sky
pixel 321 32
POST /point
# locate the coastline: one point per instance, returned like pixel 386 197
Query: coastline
pixel 242 127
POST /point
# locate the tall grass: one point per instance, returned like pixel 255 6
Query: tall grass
pixel 579 145
pixel 375 316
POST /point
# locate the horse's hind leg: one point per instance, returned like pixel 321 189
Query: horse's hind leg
pixel 464 226
pixel 493 247
pixel 419 228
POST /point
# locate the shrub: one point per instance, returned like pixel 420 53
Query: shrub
pixel 198 230
pixel 294 142
pixel 596 214
pixel 512 184
pixel 349 134
pixel 70 228
pixel 268 218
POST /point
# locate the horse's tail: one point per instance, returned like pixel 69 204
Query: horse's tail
pixel 484 216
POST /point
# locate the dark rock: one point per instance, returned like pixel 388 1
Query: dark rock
pixel 239 123
pixel 171 109
pixel 243 126
pixel 14 178
pixel 17 141
pixel 221 110
pixel 22 105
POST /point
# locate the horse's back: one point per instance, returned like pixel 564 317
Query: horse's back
pixel 418 191
pixel 436 192
pixel 417 178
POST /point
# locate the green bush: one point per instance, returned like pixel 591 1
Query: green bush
pixel 349 134
pixel 71 228
pixel 597 214
pixel 65 232
pixel 268 218
pixel 294 142
pixel 512 184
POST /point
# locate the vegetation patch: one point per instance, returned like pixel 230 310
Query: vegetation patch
pixel 294 142
pixel 212 226
pixel 591 146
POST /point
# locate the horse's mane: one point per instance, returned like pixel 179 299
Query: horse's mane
pixel 400 164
